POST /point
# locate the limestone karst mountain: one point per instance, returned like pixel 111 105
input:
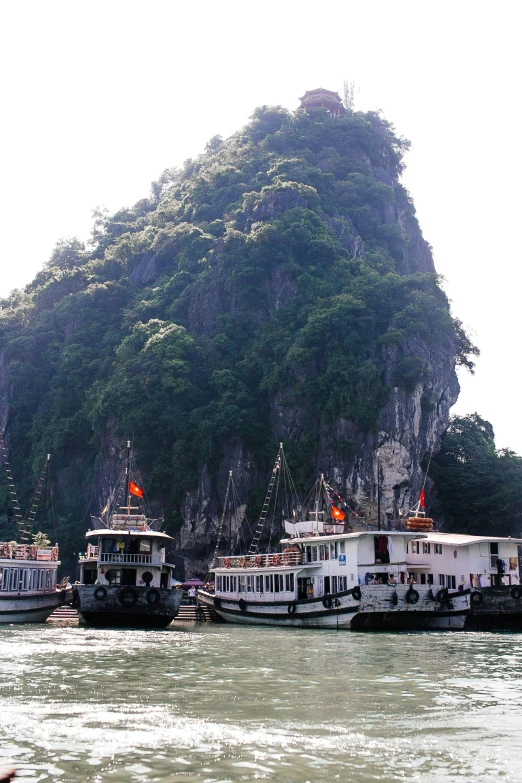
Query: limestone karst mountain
pixel 278 287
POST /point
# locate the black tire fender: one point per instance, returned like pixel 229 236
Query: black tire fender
pixel 291 608
pixel 327 601
pixel 442 595
pixel 100 593
pixel 217 601
pixel 395 599
pixel 412 596
pixel 516 592
pixel 476 598
pixel 356 592
pixel 242 604
pixel 153 597
pixel 128 596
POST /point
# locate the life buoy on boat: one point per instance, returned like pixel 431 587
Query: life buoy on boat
pixel 327 601
pixel 243 562
pixel 412 596
pixel 33 552
pixel 291 608
pixel 128 596
pixel 100 593
pixel 356 592
pixel 442 596
pixel 476 598
pixel 226 562
pixel 276 560
pixel 242 604
pixel 258 561
pixel 516 592
pixel 54 553
pixel 153 597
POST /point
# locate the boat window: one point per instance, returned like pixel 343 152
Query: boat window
pixel 250 585
pixel 25 579
pixel 5 579
pixel 430 579
pixel 493 547
pixel 451 582
pixel 332 550
pixel 269 583
pixel 145 546
pixel 314 554
pixel 342 546
pixel 321 552
pixel 276 583
pixel 382 554
pixel 334 584
pixel 15 579
pixel 442 580
pixel 426 548
pixel 259 584
pixel 242 584
pixel 326 552
pixel 308 554
pixel 34 579
pixel 343 583
pixel 289 583
pixel 438 549
pixel 423 579
pixel 415 547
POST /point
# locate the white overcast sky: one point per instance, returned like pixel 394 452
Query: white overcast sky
pixel 98 98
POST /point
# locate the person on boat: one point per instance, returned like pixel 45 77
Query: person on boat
pixel 411 579
pixel 192 595
pixel 373 580
pixel 392 580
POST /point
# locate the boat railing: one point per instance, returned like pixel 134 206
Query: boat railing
pixel 15 551
pixel 134 559
pixel 276 559
pixel 91 553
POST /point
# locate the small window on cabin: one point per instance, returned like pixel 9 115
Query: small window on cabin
pixel 426 548
pixel 241 584
pixel 415 547
pixel 332 551
pixel 250 584
pixel 336 549
pixel 326 552
pixel 5 579
pixel 276 583
pixel 342 545
pixel 438 549
pixel 25 579
pixel 308 554
pixel 423 579
pixel 259 584
pixel 145 546
pixel 321 552
pixel 442 580
pixel 430 579
pixel 314 554
pixel 493 547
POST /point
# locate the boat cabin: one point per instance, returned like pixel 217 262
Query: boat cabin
pixel 127 557
pixel 313 564
pixel 453 560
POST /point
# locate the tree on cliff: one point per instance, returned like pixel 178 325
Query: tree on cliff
pixel 480 487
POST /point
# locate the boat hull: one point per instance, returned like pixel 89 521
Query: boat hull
pixel 379 608
pixel 497 609
pixel 114 606
pixel 31 608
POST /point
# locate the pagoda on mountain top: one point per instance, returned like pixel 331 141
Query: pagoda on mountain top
pixel 323 99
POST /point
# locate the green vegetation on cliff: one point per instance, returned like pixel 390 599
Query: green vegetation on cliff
pixel 284 264
pixel 479 487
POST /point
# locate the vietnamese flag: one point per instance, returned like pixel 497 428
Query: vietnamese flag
pixel 135 490
pixel 422 499
pixel 337 513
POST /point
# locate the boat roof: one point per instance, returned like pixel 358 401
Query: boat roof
pixel 460 539
pixel 346 536
pixel 108 532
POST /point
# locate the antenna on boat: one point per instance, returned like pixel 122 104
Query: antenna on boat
pixel 261 523
pixel 222 522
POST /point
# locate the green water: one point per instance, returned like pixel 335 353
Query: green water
pixel 230 703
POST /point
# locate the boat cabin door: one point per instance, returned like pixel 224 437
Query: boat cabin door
pixel 301 588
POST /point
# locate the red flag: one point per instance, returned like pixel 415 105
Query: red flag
pixel 135 490
pixel 423 504
pixel 337 513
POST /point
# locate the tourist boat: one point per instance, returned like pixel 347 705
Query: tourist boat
pixel 29 592
pixel 327 577
pixel 125 579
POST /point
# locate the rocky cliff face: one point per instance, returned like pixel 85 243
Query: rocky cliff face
pixel 277 289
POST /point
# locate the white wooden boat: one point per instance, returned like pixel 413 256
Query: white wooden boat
pixel 325 577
